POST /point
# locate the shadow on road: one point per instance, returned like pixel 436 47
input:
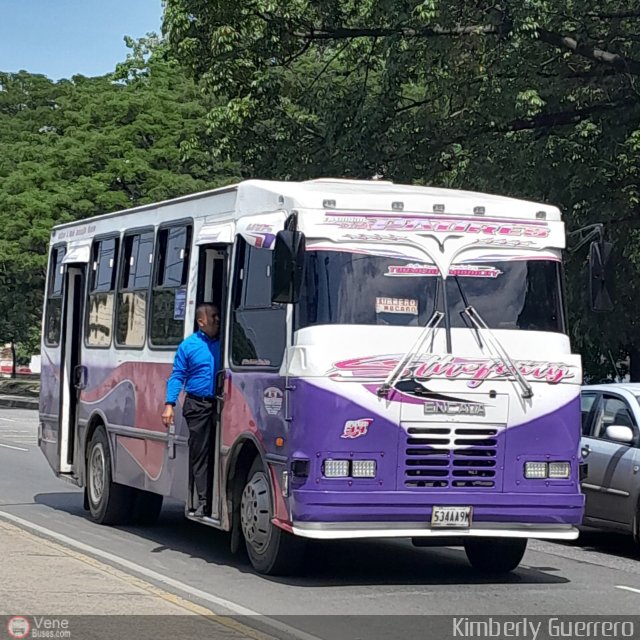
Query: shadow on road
pixel 344 563
pixel 614 544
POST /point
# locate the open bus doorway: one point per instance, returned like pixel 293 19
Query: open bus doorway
pixel 212 288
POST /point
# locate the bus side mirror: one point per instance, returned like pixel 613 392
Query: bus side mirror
pixel 287 266
pixel 600 272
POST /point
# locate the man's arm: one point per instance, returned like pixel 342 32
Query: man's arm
pixel 175 383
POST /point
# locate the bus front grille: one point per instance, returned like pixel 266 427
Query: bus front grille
pixel 451 456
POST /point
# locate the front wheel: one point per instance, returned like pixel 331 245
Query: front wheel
pixel 495 555
pixel 271 550
pixel 109 502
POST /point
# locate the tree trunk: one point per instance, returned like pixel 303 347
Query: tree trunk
pixel 13 359
pixel 634 364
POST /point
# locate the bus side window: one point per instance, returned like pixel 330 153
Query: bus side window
pixel 55 286
pixel 169 292
pixel 258 327
pixel 102 284
pixel 133 292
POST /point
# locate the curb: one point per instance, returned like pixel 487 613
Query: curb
pixel 18 402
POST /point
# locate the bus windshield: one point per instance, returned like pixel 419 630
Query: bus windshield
pixel 351 288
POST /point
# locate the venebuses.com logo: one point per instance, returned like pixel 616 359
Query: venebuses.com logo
pixel 18 627
pixel 21 627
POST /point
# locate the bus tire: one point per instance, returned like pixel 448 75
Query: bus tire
pixel 271 550
pixel 495 555
pixel 146 507
pixel 109 502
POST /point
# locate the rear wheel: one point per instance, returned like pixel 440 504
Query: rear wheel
pixel 495 555
pixel 109 502
pixel 271 550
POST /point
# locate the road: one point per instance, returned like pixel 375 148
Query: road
pixel 600 574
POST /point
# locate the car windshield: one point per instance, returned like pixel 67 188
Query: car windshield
pixel 343 287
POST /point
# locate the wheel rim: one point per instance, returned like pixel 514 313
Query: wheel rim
pixel 255 513
pixel 97 471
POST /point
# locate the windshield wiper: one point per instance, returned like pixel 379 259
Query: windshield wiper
pixel 407 359
pixel 479 323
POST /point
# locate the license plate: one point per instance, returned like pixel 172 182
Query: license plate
pixel 451 517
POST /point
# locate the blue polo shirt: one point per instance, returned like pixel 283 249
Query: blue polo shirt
pixel 194 367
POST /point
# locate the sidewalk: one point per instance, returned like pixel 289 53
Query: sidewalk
pixel 44 578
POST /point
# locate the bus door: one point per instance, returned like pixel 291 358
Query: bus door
pixel 73 375
pixel 49 428
pixel 213 270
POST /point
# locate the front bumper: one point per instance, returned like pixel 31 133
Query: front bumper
pixel 370 514
pixel 351 530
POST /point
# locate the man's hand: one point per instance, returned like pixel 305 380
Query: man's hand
pixel 167 415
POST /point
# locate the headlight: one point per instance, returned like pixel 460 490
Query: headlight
pixel 533 470
pixel 559 469
pixel 552 470
pixel 335 468
pixel 363 468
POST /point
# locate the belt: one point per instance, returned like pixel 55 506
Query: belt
pixel 192 396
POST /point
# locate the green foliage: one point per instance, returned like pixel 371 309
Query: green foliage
pixel 530 99
pixel 87 146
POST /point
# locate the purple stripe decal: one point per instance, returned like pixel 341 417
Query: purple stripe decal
pixel 317 434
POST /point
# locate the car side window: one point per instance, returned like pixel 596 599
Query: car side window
pixel 587 406
pixel 613 410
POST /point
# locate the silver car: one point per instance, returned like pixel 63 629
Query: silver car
pixel 611 452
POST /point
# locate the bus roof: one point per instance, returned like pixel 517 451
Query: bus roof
pixel 263 196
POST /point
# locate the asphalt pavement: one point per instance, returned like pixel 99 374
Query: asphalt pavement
pixel 389 584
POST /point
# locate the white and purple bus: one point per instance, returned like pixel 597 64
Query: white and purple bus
pixel 395 363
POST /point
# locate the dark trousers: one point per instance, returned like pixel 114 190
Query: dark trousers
pixel 199 415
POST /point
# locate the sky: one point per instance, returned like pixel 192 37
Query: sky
pixel 62 38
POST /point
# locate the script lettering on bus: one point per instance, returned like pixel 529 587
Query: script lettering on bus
pixel 356 428
pixel 76 233
pixel 416 269
pixel 437 225
pixel 474 370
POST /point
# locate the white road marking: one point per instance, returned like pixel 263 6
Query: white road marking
pixel 620 586
pixel 8 446
pixel 154 575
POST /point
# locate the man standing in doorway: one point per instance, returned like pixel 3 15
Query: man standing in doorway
pixel 194 368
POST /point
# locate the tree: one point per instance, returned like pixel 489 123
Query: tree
pixel 528 99
pixel 87 146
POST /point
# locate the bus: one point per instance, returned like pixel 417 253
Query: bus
pixel 395 363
